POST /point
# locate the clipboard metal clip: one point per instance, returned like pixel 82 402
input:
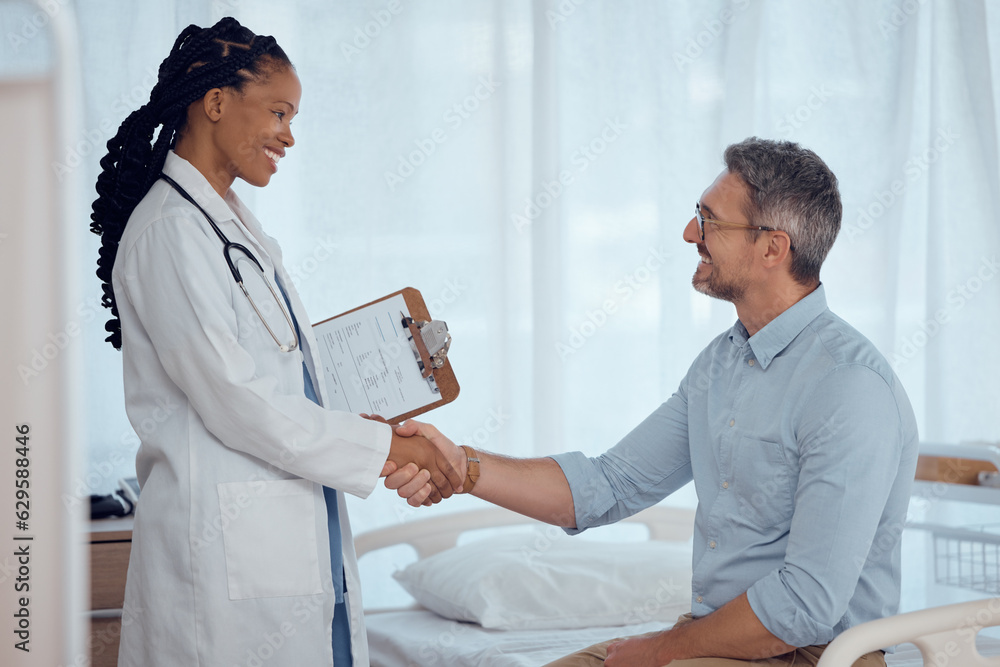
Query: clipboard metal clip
pixel 430 342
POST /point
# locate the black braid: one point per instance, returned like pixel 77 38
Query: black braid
pixel 225 55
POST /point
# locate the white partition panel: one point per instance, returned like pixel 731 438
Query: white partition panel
pixel 42 566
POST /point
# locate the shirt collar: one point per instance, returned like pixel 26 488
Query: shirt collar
pixel 192 180
pixel 782 330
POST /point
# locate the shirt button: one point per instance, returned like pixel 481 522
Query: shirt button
pixel 698 599
pixel 725 485
pixel 711 545
pixel 750 362
pixel 732 422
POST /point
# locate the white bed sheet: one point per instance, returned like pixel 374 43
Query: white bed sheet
pixel 421 638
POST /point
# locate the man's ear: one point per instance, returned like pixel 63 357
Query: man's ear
pixel 212 103
pixel 779 246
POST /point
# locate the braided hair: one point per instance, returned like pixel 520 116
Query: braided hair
pixel 225 55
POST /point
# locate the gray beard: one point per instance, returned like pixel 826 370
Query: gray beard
pixel 729 291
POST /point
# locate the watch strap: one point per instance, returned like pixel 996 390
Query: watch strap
pixel 471 470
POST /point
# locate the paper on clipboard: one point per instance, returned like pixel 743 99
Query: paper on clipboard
pixel 369 363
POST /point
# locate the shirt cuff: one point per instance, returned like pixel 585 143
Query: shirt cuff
pixel 777 610
pixel 592 495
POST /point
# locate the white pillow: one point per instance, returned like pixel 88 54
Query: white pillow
pixel 535 581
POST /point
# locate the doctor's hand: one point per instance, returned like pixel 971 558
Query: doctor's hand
pixel 416 461
pixel 404 481
pixel 412 482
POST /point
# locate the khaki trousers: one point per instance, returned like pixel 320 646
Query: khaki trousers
pixel 594 656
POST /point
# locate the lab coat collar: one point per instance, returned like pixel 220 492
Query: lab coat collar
pixel 270 248
pixel 231 211
pixel 192 180
pixel 252 228
pixel 227 212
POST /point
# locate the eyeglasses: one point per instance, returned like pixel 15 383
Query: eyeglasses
pixel 702 220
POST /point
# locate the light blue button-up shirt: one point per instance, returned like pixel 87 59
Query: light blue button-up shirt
pixel 802 446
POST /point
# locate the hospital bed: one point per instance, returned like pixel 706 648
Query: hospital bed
pixel 415 636
pixel 944 636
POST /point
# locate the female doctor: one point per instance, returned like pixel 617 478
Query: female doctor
pixel 241 552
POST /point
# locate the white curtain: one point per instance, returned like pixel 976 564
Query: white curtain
pixel 530 166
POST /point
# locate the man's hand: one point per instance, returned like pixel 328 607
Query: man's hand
pixel 407 481
pixel 731 631
pixel 416 460
pixel 642 651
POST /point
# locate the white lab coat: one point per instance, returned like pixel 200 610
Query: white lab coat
pixel 230 556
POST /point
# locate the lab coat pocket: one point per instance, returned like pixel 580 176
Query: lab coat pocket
pixel 763 483
pixel 269 532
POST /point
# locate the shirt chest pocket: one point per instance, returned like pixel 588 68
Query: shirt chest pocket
pixel 763 484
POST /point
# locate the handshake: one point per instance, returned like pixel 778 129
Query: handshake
pixel 423 465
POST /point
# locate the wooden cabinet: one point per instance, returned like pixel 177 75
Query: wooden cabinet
pixel 110 546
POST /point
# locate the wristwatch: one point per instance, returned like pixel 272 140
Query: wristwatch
pixel 471 470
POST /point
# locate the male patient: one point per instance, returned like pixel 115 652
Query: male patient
pixel 799 438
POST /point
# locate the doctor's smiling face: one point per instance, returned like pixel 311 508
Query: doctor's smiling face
pixel 242 133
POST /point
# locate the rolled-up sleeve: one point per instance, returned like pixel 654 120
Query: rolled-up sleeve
pixel 649 463
pixel 850 444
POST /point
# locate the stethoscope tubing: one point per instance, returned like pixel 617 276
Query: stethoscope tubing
pixel 227 247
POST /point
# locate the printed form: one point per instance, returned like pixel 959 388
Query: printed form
pixel 370 365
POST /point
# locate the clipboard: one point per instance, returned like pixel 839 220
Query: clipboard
pixel 373 355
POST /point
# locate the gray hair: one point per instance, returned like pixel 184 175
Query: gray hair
pixel 790 188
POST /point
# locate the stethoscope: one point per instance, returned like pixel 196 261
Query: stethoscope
pixel 227 248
